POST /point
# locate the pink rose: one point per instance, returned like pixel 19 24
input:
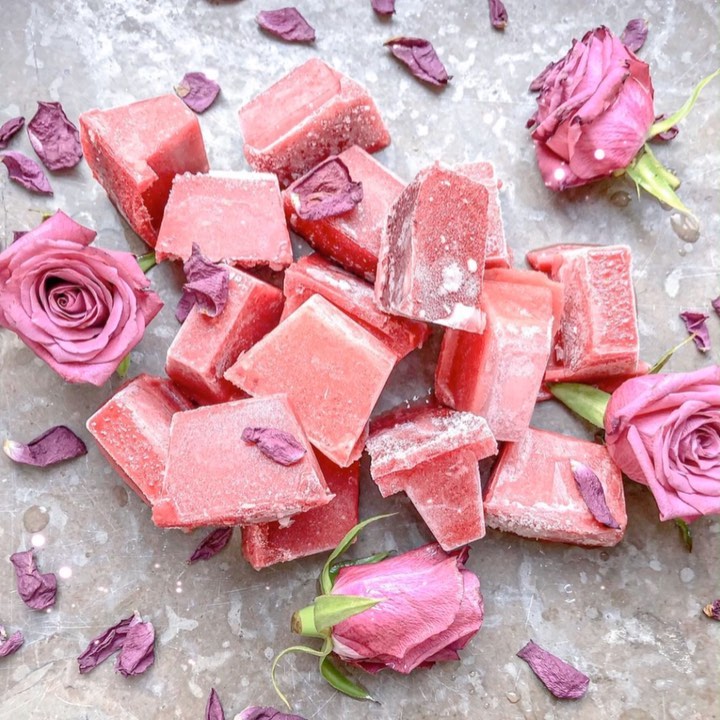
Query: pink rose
pixel 430 608
pixel 594 111
pixel 664 431
pixel 79 308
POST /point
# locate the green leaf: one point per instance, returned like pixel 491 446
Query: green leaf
pixel 663 361
pixel 124 366
pixel 146 261
pixel 588 402
pixel 342 682
pixel 685 533
pixel 324 652
pixel 369 560
pixel 326 583
pixel 676 117
pixel 333 609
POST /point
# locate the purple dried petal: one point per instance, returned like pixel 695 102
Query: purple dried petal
pixel 539 81
pixel 713 610
pixel 53 446
pixel 266 713
pixel 26 172
pixel 17 234
pixel 138 650
pixel 695 323
pixel 591 489
pixel 666 136
pixel 37 590
pixel 383 7
pixel 9 645
pixel 716 305
pixel 561 679
pixel 216 541
pixel 54 138
pixel 214 709
pixel 635 34
pixel 197 91
pixel 207 286
pixel 278 445
pixel 326 191
pixel 498 14
pixel 420 56
pixel 102 646
pixel 286 23
pixel 8 129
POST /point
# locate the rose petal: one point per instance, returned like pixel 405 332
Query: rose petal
pixel 102 646
pixel 716 305
pixel 216 541
pixel 498 14
pixel 37 590
pixel 713 610
pixel 26 172
pixel 138 650
pixel 695 323
pixel 560 678
pixel 383 7
pixel 326 191
pixel 420 56
pixel 8 130
pixel 667 135
pixel 214 709
pixel 197 91
pixel 280 446
pixel 53 446
pixel 54 138
pixel 286 23
pixel 266 713
pixel 207 286
pixel 634 34
pixel 591 489
pixel 9 645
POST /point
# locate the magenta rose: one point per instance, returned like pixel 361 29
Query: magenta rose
pixel 664 431
pixel 594 111
pixel 79 308
pixel 430 607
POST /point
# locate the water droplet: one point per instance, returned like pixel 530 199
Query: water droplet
pixel 65 572
pixel 687 228
pixel 37 540
pixel 36 519
pixel 120 495
pixel 621 198
pixel 604 555
pixel 513 697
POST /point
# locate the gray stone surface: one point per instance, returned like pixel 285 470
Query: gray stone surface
pixel 628 616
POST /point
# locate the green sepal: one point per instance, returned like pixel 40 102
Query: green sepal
pixel 663 361
pixel 685 533
pixel 368 560
pixel 330 610
pixel 588 402
pixel 146 261
pixel 123 367
pixel 337 679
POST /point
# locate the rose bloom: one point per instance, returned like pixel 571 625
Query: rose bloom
pixel 430 608
pixel 79 308
pixel 664 431
pixel 594 111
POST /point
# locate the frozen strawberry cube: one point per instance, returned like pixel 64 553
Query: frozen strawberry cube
pixel 205 347
pixel 306 116
pixel 235 217
pixel 311 532
pixel 353 238
pixel 497 253
pixel 356 298
pixel 132 430
pixel 214 477
pixel 332 369
pixel 432 255
pixel 136 150
pixel 532 491
pixel 498 374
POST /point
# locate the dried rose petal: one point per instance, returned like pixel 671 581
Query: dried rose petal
pixel 286 23
pixel 635 34
pixel 667 135
pixel 383 7
pixel 138 650
pixel 561 679
pixel 26 172
pixel 9 645
pixel 326 191
pixel 54 138
pixel 713 610
pixel 498 14
pixel 278 445
pixel 216 541
pixel 539 81
pixel 214 709
pixel 53 446
pixel 266 713
pixel 8 129
pixel 102 646
pixel 207 286
pixel 420 56
pixel 695 322
pixel 716 305
pixel 17 234
pixel 37 590
pixel 592 492
pixel 197 91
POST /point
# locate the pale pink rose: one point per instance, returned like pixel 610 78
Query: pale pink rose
pixel 79 308
pixel 594 111
pixel 430 608
pixel 664 431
